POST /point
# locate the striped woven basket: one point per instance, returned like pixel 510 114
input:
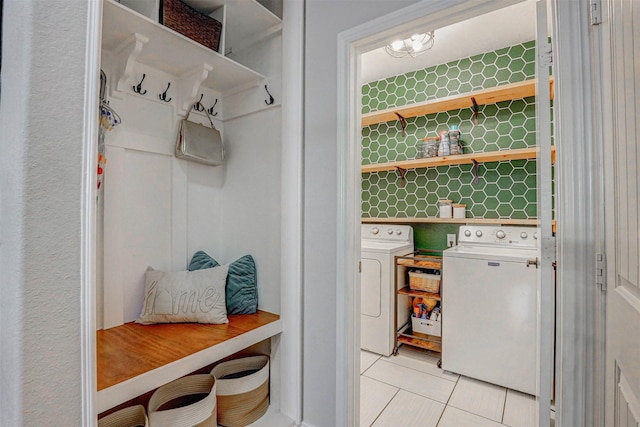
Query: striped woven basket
pixel 133 416
pixel 242 390
pixel 180 403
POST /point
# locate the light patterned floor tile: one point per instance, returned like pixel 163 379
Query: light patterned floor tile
pixel 411 380
pixel 480 398
pixel 519 410
pixel 367 359
pixel 374 397
pixel 420 361
pixel 407 409
pixel 453 417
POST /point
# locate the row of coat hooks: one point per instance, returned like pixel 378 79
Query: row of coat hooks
pixel 198 106
pixel 164 97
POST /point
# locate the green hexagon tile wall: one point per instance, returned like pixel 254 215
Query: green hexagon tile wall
pixel 504 189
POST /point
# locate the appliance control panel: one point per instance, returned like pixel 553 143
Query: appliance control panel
pixel 516 236
pixel 387 232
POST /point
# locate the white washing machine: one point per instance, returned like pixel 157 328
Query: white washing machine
pixel 490 300
pixel 380 244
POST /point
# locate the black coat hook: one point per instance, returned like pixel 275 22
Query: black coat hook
pixel 198 105
pixel 138 88
pixel 163 95
pixel 210 110
pixel 271 100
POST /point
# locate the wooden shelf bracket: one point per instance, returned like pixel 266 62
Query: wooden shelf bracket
pixel 403 123
pixel 401 172
pixel 476 109
pixel 476 166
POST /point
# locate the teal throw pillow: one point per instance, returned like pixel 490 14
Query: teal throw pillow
pixel 201 261
pixel 242 286
pixel 242 283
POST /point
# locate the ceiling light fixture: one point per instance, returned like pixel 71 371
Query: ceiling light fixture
pixel 415 45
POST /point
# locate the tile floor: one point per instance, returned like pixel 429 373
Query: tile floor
pixel 409 389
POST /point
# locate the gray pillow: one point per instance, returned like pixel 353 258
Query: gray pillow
pixel 185 296
pixel 242 283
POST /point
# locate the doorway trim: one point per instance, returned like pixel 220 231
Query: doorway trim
pixel 573 393
pixel 88 215
pixel 577 192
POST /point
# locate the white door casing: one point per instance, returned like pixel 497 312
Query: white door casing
pixel 546 302
pixel 620 33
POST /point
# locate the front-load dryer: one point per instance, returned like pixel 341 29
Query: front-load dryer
pixel 381 243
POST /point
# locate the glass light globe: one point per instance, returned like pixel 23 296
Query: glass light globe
pixel 416 46
pixel 397 45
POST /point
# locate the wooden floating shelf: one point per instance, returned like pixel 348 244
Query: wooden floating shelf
pixel 484 157
pixel 492 95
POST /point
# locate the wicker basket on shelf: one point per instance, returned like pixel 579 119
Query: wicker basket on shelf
pixel 192 23
pixel 419 281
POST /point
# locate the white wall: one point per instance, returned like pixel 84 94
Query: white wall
pixel 40 218
pixel 251 197
pixel 324 20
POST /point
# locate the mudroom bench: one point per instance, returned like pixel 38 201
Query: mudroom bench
pixel 134 359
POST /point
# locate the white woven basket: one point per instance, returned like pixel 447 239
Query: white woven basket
pixel 199 414
pixel 242 390
pixel 133 416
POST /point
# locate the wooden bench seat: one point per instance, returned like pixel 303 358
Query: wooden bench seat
pixel 133 359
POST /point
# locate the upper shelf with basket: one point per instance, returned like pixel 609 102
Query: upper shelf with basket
pixel 244 22
pixel 133 38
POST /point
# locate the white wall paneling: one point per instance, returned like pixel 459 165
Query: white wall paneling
pixel 160 210
pixel 251 208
